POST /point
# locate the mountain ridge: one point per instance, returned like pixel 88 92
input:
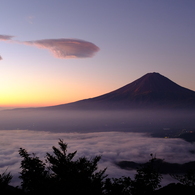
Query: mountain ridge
pixel 152 90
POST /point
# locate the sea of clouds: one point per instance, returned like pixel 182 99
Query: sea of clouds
pixel 112 146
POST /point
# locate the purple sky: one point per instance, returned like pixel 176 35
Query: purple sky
pixel 54 52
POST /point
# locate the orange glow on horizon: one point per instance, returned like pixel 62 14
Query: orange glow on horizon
pixel 27 103
pixel 42 91
pixel 40 101
pixel 32 104
pixel 41 96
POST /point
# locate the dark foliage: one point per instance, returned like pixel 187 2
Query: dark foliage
pixel 175 189
pixel 5 179
pixel 187 179
pixel 62 173
pixel 34 174
pixel 117 186
pixel 146 180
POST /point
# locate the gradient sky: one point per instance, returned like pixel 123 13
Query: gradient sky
pixel 55 52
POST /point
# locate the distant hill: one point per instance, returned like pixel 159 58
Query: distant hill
pixel 160 165
pixel 152 90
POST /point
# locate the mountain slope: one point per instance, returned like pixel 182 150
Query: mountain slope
pixel 150 91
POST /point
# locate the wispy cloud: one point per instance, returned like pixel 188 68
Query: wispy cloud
pixel 61 48
pixel 5 37
pixel 30 19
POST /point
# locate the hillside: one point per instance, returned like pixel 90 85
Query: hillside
pixel 152 90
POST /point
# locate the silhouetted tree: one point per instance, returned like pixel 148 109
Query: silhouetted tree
pixel 187 179
pixel 5 179
pixel 34 173
pixel 59 173
pixel 116 186
pixel 147 179
pixel 75 176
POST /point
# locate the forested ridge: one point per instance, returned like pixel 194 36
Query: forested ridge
pixel 61 173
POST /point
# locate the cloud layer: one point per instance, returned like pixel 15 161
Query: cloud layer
pixel 112 146
pixel 61 48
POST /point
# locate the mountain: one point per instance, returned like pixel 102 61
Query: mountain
pixel 152 90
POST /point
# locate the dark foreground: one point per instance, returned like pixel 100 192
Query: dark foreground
pixel 61 173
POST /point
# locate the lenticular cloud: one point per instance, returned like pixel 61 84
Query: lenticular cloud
pixel 66 48
pixel 60 48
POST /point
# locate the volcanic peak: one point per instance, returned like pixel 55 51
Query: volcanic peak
pixel 152 90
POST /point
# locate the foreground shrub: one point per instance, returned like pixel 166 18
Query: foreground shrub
pixel 146 181
pixel 60 173
pixel 5 179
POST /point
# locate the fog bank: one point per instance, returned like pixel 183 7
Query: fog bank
pixel 95 121
pixel 112 146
